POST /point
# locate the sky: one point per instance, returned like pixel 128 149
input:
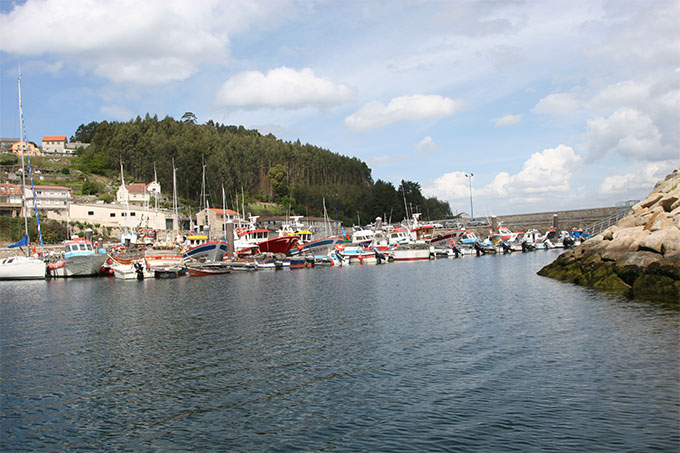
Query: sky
pixel 549 105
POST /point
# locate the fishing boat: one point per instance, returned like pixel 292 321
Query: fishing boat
pixel 199 248
pixel 318 247
pixel 22 267
pixel 79 259
pixel 204 269
pixel 136 270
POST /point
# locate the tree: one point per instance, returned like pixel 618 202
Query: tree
pixel 278 177
pixel 189 117
pixel 85 133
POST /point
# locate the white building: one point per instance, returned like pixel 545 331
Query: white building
pixel 120 216
pixel 54 144
pixel 139 194
pixel 50 200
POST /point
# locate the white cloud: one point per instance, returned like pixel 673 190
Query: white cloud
pixel 426 146
pixel 403 108
pixel 508 120
pixel 154 41
pixel 628 132
pixel 116 112
pixel 386 160
pixel 642 180
pixel 556 104
pixel 282 88
pixel 544 174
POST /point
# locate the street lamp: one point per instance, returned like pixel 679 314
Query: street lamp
pixel 472 211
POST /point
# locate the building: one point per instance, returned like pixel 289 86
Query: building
pixel 29 148
pixel 10 200
pixel 54 144
pixel 138 194
pixel 215 218
pixel 59 145
pixel 6 144
pixel 50 200
pixel 121 216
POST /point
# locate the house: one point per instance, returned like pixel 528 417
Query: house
pixel 215 218
pixel 50 200
pixel 10 200
pixel 25 147
pixel 6 144
pixel 54 144
pixel 121 216
pixel 138 194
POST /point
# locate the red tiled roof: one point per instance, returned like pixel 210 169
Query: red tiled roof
pixel 224 212
pixel 136 187
pixel 52 187
pixel 10 188
pixel 54 138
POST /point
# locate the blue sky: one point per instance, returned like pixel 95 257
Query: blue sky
pixel 551 104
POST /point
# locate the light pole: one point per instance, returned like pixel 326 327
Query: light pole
pixel 472 211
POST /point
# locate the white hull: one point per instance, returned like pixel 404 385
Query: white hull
pixel 80 266
pixel 411 252
pixel 22 268
pixel 128 272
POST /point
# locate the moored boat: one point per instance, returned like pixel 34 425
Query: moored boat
pixel 80 259
pixel 411 252
pixel 204 269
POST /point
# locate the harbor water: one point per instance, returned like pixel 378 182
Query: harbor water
pixel 472 354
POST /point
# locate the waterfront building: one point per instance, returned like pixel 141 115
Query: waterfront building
pixel 138 194
pixel 214 218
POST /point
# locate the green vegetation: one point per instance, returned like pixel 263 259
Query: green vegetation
pixel 12 229
pixel 291 174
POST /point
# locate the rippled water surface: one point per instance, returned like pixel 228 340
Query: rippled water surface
pixel 475 354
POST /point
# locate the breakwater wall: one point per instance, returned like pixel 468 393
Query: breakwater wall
pixel 566 220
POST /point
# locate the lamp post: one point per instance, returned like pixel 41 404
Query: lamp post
pixel 472 211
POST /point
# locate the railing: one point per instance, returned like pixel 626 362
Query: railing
pixel 601 225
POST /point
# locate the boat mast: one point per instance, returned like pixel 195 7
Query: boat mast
pixel 224 213
pixel 127 198
pixel 174 194
pixel 24 150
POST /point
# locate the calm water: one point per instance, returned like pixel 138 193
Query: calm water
pixel 475 354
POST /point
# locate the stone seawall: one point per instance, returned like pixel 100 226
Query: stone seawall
pixel 566 220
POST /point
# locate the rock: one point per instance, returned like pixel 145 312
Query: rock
pixel 640 256
pixel 665 241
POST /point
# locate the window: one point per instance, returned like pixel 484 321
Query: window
pixel 122 214
pixel 132 214
pixel 113 214
pixel 90 212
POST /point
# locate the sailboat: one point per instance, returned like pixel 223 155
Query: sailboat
pixel 23 267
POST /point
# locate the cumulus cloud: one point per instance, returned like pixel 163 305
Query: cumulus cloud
pixel 642 180
pixel 426 146
pixel 508 120
pixel 282 88
pixel 544 174
pixel 162 41
pixel 403 108
pixel 639 122
pixel 556 104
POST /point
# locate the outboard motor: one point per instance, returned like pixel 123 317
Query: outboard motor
pixel 379 257
pixel 139 270
pixel 568 242
pixel 506 247
pixel 479 249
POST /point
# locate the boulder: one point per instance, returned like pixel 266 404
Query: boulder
pixel 640 256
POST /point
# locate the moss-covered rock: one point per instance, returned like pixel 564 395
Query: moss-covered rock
pixel 639 257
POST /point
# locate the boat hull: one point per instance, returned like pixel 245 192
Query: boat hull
pixel 210 251
pixel 205 269
pixel 282 244
pixel 80 266
pixel 411 252
pixel 22 268
pixel 319 247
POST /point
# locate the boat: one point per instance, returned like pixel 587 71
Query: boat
pixel 318 247
pixel 204 269
pixel 169 271
pixel 22 267
pixel 416 251
pixel 137 270
pixel 199 248
pixel 79 259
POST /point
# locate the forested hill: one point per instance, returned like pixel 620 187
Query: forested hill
pixel 266 168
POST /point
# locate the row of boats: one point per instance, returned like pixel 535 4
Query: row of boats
pixel 293 247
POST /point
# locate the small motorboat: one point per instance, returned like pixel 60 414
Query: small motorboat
pixel 210 268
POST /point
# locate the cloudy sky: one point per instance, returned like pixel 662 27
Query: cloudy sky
pixel 550 104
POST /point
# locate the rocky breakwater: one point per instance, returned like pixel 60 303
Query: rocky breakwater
pixel 639 256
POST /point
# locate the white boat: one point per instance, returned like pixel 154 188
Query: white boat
pixel 23 267
pixel 137 270
pixel 411 252
pixel 80 259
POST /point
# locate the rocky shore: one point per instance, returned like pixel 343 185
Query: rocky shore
pixel 638 257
